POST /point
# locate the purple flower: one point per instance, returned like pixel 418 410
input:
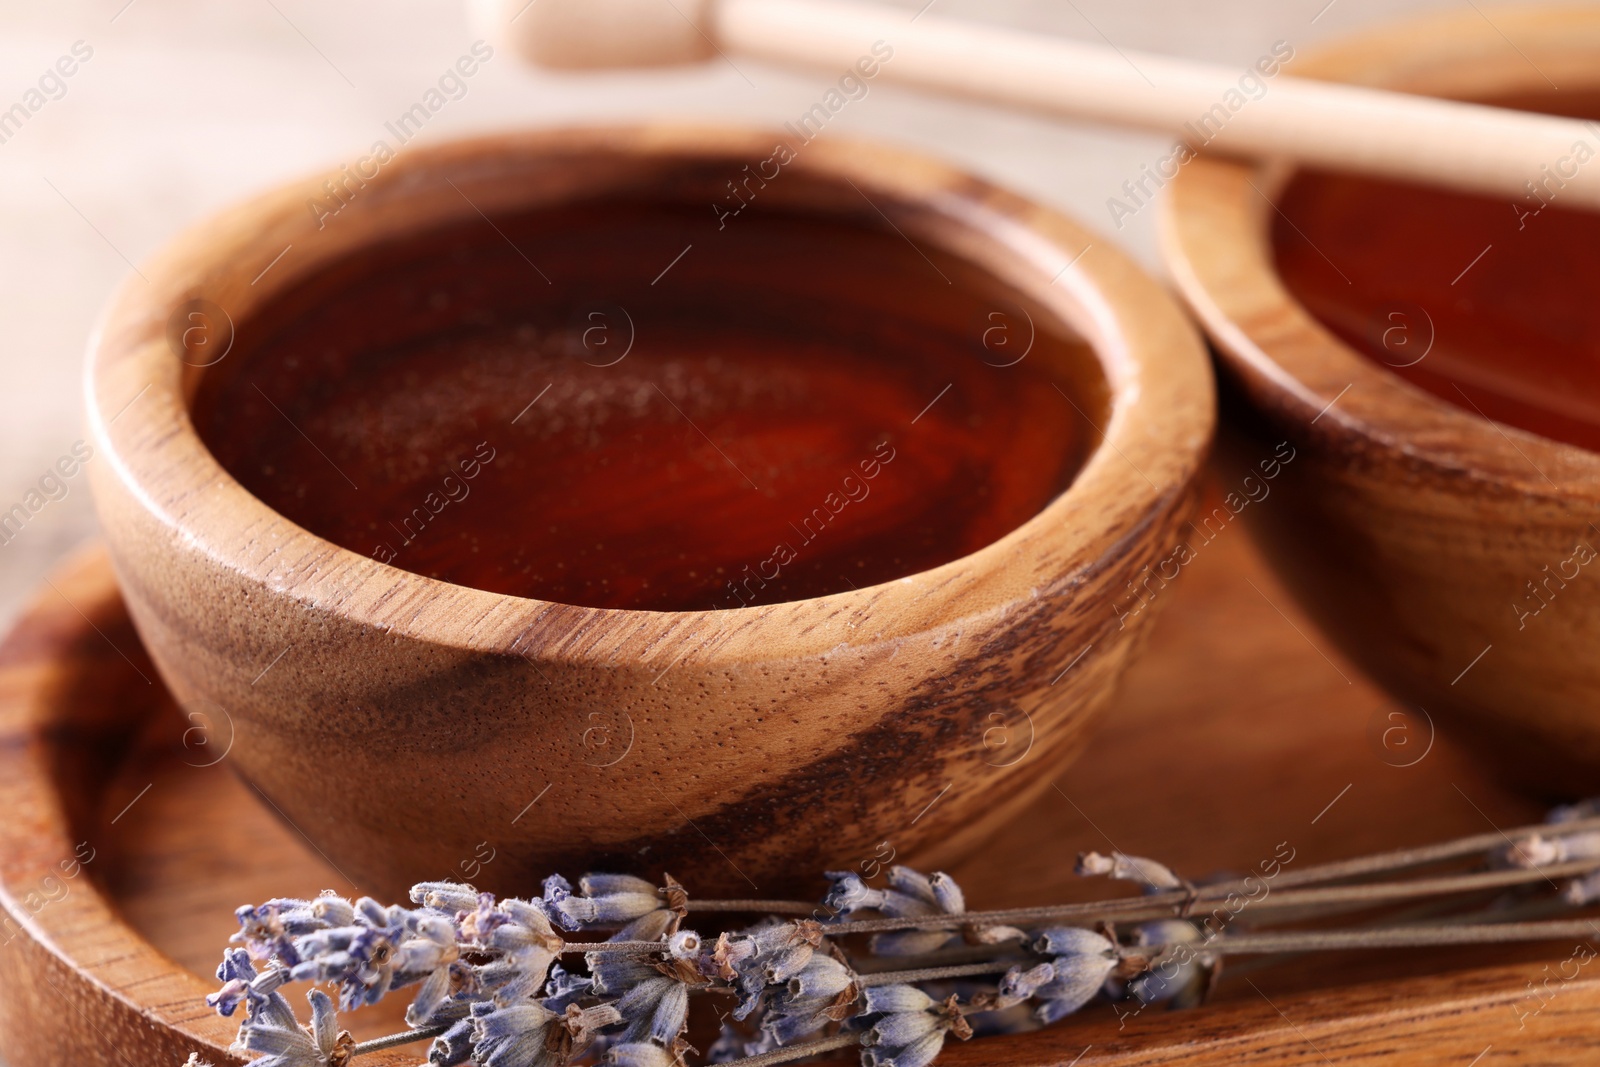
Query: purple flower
pixel 381 949
pixel 564 988
pixel 513 1037
pixel 527 946
pixel 1190 976
pixel 734 1044
pixel 606 900
pixel 848 894
pixel 269 929
pixel 557 891
pixel 767 954
pixel 1082 961
pixel 531 1035
pixel 1155 877
pixel 822 992
pixel 656 1009
pixel 433 957
pixel 640 1054
pixel 453 1047
pixel 1019 985
pixel 915 895
pixel 272 1029
pixel 911 1028
pixel 235 972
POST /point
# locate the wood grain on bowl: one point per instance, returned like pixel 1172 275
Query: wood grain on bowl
pixel 400 721
pixel 1446 552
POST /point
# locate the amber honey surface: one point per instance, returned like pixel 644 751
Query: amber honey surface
pixel 621 405
pixel 1490 304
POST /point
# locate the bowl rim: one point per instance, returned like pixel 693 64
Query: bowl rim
pixel 1158 385
pixel 1215 238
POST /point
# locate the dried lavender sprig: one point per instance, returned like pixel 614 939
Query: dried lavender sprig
pixel 1307 941
pixel 1156 905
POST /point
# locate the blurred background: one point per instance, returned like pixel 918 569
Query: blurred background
pixel 184 106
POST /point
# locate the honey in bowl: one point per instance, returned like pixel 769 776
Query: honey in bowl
pixel 1489 304
pixel 622 405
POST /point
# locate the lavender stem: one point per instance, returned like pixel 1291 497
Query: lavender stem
pixel 1393 937
pixel 420 1033
pixel 572 948
pixel 797 1052
pixel 756 907
pixel 931 974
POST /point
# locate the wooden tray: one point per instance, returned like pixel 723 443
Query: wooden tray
pixel 1241 728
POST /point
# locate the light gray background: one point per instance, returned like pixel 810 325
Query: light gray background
pixel 189 105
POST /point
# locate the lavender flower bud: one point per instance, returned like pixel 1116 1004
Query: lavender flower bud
pixel 671 1014
pixel 446 896
pixel 1544 850
pixel 1071 940
pixel 947 894
pixel 656 1008
pixel 616 974
pixel 453 1047
pixel 1119 865
pixel 787 1027
pixel 608 898
pixel 730 954
pixel 1582 809
pixel 285 1043
pixel 910 942
pixel 905 906
pixel 528 915
pixel 235 972
pixel 914 895
pixel 787 962
pixel 1077 979
pixel 912 883
pixel 731 1044
pixel 848 894
pixel 895 998
pixel 1582 891
pixel 584 1025
pixel 901 1028
pixel 331 910
pixel 371 912
pixel 564 988
pixel 919 1053
pixel 1018 985
pixel 512 1036
pixel 822 977
pixel 685 945
pixel 557 891
pixel 637 1054
pixel 605 885
pixel 270 981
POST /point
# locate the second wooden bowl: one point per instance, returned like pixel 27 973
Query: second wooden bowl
pixel 411 727
pixel 1422 535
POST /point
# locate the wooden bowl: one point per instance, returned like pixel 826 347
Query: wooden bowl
pixel 1411 527
pixel 413 729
